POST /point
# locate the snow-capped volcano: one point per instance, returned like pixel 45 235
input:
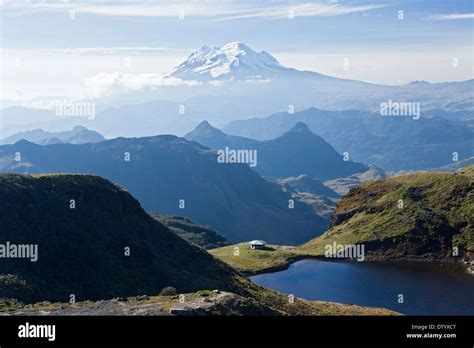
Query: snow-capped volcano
pixel 235 60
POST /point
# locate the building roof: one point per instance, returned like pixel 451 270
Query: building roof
pixel 257 242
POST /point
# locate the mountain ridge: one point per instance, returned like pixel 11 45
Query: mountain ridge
pixel 78 135
pixel 210 84
pixel 174 176
pixel 298 151
pixel 393 143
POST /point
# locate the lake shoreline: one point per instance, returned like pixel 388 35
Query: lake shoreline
pixel 457 265
pixel 427 288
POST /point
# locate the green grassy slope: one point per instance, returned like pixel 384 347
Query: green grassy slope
pixel 251 261
pixel 422 215
pixel 415 216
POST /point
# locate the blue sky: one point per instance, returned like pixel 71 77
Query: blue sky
pixel 150 34
pixel 43 26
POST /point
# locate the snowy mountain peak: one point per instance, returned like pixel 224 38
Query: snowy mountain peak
pixel 233 61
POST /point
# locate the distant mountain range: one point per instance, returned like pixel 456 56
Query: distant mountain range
pixel 236 62
pixel 296 152
pixel 78 135
pixel 396 143
pixel 174 176
pixel 233 82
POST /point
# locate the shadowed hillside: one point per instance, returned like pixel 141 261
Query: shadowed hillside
pixel 174 176
pixel 82 251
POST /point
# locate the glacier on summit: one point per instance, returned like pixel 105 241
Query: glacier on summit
pixel 234 60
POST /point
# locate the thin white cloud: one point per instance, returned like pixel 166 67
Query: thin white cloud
pixel 138 9
pixel 104 84
pixel 451 17
pixel 304 10
pixel 102 50
pixel 216 9
pixel 162 10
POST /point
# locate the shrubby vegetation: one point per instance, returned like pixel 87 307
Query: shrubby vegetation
pixel 421 216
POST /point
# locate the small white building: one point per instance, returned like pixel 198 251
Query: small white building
pixel 257 244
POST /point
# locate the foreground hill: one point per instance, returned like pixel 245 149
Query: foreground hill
pixel 257 301
pixel 420 215
pixel 436 216
pixel 82 252
pixel 174 176
pixel 296 152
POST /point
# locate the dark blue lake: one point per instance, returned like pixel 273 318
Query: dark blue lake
pixel 427 289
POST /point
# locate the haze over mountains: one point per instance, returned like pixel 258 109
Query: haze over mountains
pixel 396 143
pixel 236 82
pixel 174 176
pixel 236 61
pixel 78 135
pixel 232 83
pixel 296 152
